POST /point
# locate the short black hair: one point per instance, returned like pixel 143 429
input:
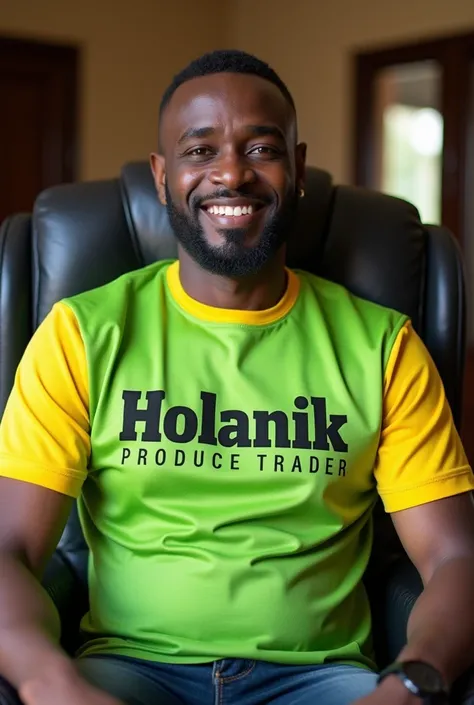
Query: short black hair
pixel 225 61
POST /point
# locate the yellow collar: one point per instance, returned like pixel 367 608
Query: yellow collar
pixel 225 315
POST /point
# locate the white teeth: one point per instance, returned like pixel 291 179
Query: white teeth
pixel 229 211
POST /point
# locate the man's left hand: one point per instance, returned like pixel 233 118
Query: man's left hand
pixel 390 692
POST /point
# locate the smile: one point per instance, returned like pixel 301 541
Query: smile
pixel 233 216
pixel 230 211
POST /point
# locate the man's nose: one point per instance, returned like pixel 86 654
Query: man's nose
pixel 232 171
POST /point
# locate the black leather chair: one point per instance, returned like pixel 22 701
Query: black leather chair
pixel 83 235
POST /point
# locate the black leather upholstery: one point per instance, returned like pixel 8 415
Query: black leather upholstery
pixel 83 235
pixel 16 298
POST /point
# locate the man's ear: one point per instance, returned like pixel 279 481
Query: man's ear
pixel 300 155
pixel 157 163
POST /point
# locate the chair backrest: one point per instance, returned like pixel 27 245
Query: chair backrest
pixel 83 235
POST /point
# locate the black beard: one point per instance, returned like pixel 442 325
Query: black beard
pixel 232 259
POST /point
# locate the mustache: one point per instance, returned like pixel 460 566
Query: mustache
pixel 197 201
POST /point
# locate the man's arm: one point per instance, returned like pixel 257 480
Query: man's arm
pixel 426 484
pixel 44 450
pixel 439 539
pixel 31 521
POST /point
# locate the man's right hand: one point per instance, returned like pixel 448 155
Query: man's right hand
pixel 64 687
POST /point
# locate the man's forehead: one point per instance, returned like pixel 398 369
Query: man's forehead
pixel 222 95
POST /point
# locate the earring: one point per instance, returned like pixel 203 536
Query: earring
pixel 301 193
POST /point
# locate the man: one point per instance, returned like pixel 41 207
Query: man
pixel 227 424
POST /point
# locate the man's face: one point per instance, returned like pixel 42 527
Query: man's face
pixel 230 171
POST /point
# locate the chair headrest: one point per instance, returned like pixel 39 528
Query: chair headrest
pixel 87 234
pixel 147 216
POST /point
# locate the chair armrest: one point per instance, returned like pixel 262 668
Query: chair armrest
pixel 8 695
pixel 69 595
pixel 463 689
pixel 394 593
pixel 398 589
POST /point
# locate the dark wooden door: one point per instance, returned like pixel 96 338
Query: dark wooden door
pixel 38 101
pixel 449 60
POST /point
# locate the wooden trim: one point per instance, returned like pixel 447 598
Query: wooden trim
pixel 58 62
pixel 22 46
pixel 453 53
pixel 417 50
pixel 455 88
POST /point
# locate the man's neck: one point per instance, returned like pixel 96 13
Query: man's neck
pixel 257 292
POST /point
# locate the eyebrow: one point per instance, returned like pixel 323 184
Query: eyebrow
pixel 255 130
pixel 266 131
pixel 196 133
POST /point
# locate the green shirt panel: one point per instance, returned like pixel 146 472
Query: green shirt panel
pixel 228 502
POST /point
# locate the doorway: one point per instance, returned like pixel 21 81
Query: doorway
pixel 414 138
pixel 38 120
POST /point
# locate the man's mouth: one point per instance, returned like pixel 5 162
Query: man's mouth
pixel 233 216
pixel 235 211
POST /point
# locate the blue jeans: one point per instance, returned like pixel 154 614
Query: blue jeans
pixel 226 682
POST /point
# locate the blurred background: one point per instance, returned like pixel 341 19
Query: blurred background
pixel 384 92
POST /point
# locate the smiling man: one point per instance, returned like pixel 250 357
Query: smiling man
pixel 227 425
pixel 227 230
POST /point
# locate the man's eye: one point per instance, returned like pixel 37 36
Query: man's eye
pixel 265 150
pixel 199 152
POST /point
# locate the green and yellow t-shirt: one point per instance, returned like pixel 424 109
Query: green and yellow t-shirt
pixel 227 462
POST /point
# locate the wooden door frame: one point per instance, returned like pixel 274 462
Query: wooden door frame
pixel 66 57
pixel 453 53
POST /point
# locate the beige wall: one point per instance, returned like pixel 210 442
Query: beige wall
pixel 309 42
pixel 131 48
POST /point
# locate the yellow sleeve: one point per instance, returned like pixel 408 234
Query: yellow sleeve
pixel 44 432
pixel 420 457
